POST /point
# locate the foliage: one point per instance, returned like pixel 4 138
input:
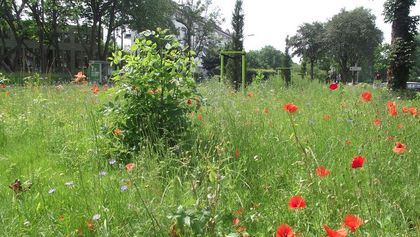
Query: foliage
pixel 415 73
pixel 268 58
pixel 403 44
pixel 381 59
pixel 309 43
pixel 211 60
pixel 287 64
pixel 258 77
pixel 190 222
pixel 234 66
pixel 352 37
pixel 87 19
pixel 245 157
pixel 200 22
pixel 154 93
pixel 3 79
pixel 51 138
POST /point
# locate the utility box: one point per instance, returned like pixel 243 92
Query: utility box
pixel 98 72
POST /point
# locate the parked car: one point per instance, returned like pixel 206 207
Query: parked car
pixel 413 86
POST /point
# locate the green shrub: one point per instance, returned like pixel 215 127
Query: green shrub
pixel 154 93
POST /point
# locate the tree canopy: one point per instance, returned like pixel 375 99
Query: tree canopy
pixel 352 37
pixel 309 43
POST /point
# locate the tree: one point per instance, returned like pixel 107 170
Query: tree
pixel 141 15
pixel 309 43
pixel 268 58
pixel 199 23
pixel 415 74
pixel 234 66
pixel 402 41
pixel 287 63
pixel 12 17
pixel 352 37
pixel 92 16
pixel 381 59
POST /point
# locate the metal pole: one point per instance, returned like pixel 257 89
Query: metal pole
pixel 222 65
pixel 243 70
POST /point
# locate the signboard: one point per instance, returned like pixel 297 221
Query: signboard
pixel 355 69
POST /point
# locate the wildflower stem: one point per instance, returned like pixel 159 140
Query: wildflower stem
pixel 149 213
pixel 296 136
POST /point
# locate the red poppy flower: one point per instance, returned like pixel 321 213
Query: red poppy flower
pixel 399 148
pixel 392 108
pixel 333 86
pixel 400 125
pixel 2 86
pixel 95 89
pixel 405 110
pixel 413 111
pixel 321 171
pixel 297 202
pixel 240 229
pixel 353 222
pixel 366 96
pixel 348 142
pixel 117 132
pixel 265 111
pixel 237 153
pixel 358 162
pixel 200 117
pixel 130 167
pixel 189 102
pixel 333 233
pixel 79 77
pixel 327 116
pixel 239 211
pixel 90 225
pixel 389 138
pixel 235 221
pixel 290 107
pixel 250 94
pixel 377 122
pixel 285 230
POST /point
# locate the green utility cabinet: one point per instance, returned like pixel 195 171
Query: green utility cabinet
pixel 98 72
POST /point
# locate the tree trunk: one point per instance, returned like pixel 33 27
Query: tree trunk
pixel 312 69
pixel 93 30
pixel 55 34
pixel 99 39
pixel 110 30
pixel 399 66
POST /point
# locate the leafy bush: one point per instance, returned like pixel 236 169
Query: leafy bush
pixel 154 92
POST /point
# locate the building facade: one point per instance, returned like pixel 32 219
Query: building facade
pixel 70 58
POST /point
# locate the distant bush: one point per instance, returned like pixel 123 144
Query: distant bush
pixel 154 93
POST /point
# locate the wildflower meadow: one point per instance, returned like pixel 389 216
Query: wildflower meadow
pixel 308 160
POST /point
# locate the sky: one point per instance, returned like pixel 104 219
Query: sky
pixel 268 22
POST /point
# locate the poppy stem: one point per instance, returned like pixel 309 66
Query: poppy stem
pixel 296 136
pixel 149 213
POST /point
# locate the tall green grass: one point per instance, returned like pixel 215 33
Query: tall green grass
pixel 243 155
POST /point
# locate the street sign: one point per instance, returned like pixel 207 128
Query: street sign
pixel 355 69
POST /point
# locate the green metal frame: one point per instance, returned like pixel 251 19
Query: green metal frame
pixel 222 64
